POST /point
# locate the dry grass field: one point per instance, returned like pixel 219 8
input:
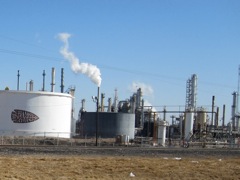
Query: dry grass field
pixel 54 167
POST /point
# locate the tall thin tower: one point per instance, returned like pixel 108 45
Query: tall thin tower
pixel 238 91
pixel 191 93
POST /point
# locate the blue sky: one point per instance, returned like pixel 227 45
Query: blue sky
pixel 158 43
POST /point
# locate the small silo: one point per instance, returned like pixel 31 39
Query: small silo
pixel 201 119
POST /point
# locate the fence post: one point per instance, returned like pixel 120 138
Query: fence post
pixel 34 143
pixel 58 139
pixel 85 140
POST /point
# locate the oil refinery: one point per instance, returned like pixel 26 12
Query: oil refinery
pixel 51 114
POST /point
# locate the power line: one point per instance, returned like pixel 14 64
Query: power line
pixel 158 76
pixel 30 55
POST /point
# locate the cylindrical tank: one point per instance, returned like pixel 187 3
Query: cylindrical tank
pixel 162 132
pixel 189 124
pixel 35 113
pixel 201 118
pixel 110 124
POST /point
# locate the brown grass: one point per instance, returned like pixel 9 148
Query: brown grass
pixel 54 167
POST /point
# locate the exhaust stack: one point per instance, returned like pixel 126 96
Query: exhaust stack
pixel 102 102
pixel 44 74
pixel 109 104
pixel 31 85
pixel 53 80
pixel 18 75
pixel 62 79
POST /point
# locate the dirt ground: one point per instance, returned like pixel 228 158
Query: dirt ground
pixel 30 164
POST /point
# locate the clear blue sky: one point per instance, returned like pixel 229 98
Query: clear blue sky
pixel 158 43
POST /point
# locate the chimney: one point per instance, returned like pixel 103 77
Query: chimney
pixel 18 75
pixel 31 85
pixel 62 78
pixel 109 104
pixel 44 74
pixel 53 80
pixel 102 102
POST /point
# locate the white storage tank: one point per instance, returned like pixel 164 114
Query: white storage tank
pixel 189 124
pixel 35 113
pixel 162 132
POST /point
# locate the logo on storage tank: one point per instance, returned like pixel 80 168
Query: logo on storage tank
pixel 21 116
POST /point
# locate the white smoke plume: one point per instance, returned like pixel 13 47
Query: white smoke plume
pixel 148 104
pixel 146 89
pixel 78 67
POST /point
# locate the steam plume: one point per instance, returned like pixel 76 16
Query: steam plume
pixel 88 69
pixel 146 89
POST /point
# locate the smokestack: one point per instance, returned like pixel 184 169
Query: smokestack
pixel 234 106
pixel 109 104
pixel 31 85
pixel 216 117
pixel 213 102
pixel 18 75
pixel 83 105
pixel 102 102
pixel 53 80
pixel 223 120
pixel 44 74
pixel 62 77
pixel 115 101
pixel 142 120
pixel 97 117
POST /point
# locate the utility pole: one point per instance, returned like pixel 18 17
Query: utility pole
pixel 97 117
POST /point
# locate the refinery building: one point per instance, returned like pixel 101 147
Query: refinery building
pixel 51 114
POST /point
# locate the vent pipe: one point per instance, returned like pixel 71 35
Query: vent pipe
pixel 18 75
pixel 109 104
pixel 83 105
pixel 223 119
pixel 44 74
pixel 216 117
pixel 62 78
pixel 234 110
pixel 31 85
pixel 213 104
pixel 142 120
pixel 53 80
pixel 115 101
pixel 102 102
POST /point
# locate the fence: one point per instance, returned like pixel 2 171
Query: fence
pixel 27 138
